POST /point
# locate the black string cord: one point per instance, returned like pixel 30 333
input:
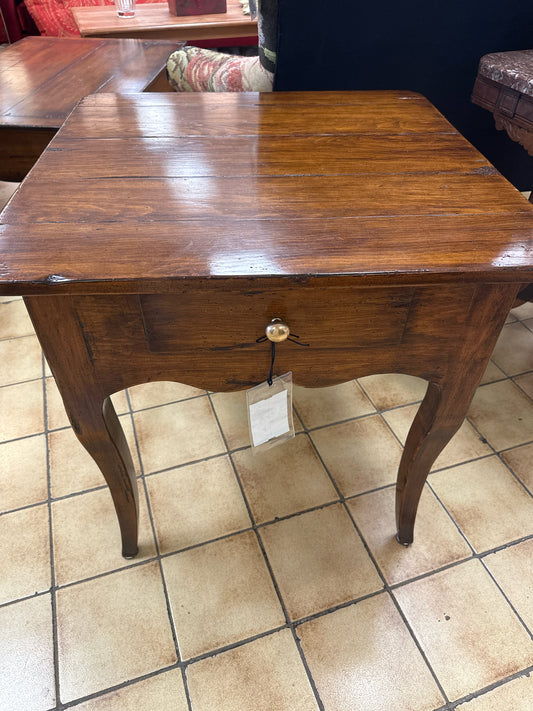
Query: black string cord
pixel 291 338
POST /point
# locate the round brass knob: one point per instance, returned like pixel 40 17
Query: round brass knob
pixel 277 331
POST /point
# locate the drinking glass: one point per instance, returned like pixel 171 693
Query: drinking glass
pixel 125 8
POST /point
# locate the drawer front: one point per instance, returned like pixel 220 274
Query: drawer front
pixel 333 317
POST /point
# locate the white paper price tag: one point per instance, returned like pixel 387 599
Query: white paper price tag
pixel 270 412
pixel 268 418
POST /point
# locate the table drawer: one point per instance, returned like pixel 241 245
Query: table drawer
pixel 334 317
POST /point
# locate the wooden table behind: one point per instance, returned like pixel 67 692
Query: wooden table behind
pixel 43 78
pixel 155 21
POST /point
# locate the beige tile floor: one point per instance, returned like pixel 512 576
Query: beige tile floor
pixel 266 582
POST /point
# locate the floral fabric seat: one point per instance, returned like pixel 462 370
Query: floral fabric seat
pixel 504 86
pixel 195 69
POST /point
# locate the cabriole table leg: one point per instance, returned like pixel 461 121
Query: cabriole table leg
pixel 90 411
pixel 446 403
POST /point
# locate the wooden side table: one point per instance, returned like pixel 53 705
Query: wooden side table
pixel 159 234
pixel 154 21
pixel 43 78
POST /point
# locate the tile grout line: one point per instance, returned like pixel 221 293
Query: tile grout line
pixel 23 437
pixel 507 375
pixel 515 446
pixel 504 595
pixel 179 663
pixel 418 645
pixel 53 593
pixel 513 473
pixel 187 464
pixel 388 409
pixel 386 586
pixel 72 583
pixel 288 623
pixel 20 382
pixel 513 380
pixel 17 509
pixel 18 338
pixel 164 404
pixel 498 454
pixel 174 633
pixel 317 428
pixel 479 693
pixel 232 645
pixel 449 514
pixel 116 687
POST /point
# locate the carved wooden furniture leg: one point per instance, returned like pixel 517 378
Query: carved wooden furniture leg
pixel 446 402
pixel 88 406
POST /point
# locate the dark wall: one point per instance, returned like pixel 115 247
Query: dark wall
pixel 421 45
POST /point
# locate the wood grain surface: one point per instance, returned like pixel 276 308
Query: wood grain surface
pixel 137 191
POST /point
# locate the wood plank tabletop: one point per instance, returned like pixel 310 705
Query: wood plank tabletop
pixel 43 78
pixel 143 190
pixel 155 20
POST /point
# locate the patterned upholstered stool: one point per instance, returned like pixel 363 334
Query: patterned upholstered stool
pixel 504 85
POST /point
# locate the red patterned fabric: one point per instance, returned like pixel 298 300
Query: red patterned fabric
pixel 54 18
pixel 195 69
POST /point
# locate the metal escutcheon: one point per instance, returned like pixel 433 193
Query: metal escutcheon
pixel 277 331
